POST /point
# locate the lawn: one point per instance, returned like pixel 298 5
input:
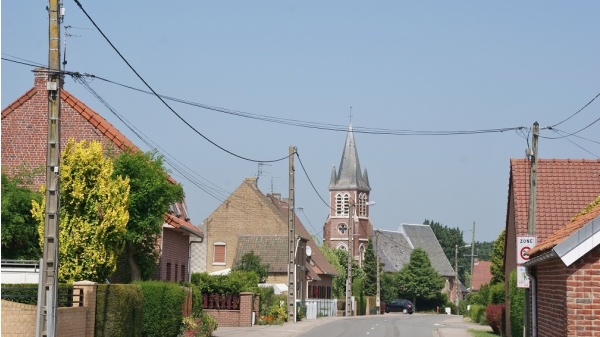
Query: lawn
pixel 481 333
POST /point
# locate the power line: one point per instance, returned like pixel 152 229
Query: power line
pixel 578 111
pixel 163 101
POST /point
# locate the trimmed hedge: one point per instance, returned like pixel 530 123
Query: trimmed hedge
pixel 163 303
pixel 517 303
pixel 494 313
pixel 477 313
pixel 118 310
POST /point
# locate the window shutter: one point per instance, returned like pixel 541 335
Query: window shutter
pixel 219 254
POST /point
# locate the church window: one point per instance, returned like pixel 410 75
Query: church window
pixel 342 246
pixel 346 204
pixel 342 228
pixel 362 204
pixel 339 204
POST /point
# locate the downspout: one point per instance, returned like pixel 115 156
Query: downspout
pixel 533 284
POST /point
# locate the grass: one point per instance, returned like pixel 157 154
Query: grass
pixel 481 333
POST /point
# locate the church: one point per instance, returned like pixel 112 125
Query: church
pixel 349 191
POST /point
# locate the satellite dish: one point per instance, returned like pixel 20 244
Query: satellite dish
pixel 308 251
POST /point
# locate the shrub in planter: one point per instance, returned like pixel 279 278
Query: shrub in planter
pixel 494 313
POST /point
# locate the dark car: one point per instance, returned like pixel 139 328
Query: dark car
pixel 400 305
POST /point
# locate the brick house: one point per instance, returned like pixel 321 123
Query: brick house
pixel 24 133
pixel 564 188
pixel 565 282
pixel 248 214
pixel 482 274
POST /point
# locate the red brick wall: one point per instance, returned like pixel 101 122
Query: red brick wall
pixel 235 318
pixel 177 256
pixel 568 298
pixel 24 132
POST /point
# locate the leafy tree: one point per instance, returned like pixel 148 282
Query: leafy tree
pixel 19 229
pixel 339 282
pixel 497 259
pixel 418 278
pixel 93 214
pixel 483 250
pixel 389 288
pixel 370 269
pixel 151 193
pixel 252 262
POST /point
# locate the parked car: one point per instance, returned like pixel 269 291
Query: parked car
pixel 400 305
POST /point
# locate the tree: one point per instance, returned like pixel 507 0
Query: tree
pixel 339 282
pixel 93 214
pixel 151 193
pixel 497 259
pixel 449 238
pixel 370 269
pixel 19 228
pixel 252 262
pixel 418 278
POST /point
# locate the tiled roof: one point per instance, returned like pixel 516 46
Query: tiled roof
pixel 349 175
pixel 422 236
pixel 396 247
pixel 321 263
pixel 564 188
pixel 272 249
pixel 482 274
pixel 560 235
pixel 106 128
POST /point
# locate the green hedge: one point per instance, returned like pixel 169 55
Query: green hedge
pixel 163 303
pixel 234 283
pixel 477 313
pixel 517 303
pixel 118 310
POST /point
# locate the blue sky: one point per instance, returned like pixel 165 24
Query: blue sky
pixel 423 65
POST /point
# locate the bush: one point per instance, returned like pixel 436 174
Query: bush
pixel 118 310
pixel 163 303
pixel 517 302
pixel 494 313
pixel 234 283
pixel 496 294
pixel 202 326
pixel 477 313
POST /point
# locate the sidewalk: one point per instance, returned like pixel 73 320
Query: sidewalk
pixel 456 326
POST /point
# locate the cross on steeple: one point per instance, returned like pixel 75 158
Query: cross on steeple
pixel 350 116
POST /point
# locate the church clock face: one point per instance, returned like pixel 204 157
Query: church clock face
pixel 342 228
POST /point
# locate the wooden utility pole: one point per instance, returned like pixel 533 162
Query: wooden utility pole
pixel 291 242
pixel 48 284
pixel 350 260
pixel 533 157
pixel 472 255
pixel 533 154
pixel 456 281
pixel 378 295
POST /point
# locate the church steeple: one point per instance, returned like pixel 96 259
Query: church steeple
pixel 349 176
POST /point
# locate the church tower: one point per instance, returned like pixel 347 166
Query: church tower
pixel 349 203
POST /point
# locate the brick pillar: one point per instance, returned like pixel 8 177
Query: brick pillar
pixel 89 302
pixel 246 304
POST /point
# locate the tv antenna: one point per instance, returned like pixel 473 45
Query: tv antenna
pixel 67 35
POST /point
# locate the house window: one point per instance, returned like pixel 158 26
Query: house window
pixel 168 271
pixel 183 272
pixel 362 204
pixel 176 270
pixel 219 253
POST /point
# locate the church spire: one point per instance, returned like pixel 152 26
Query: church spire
pixel 349 175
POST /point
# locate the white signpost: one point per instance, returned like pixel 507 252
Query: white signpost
pixel 524 245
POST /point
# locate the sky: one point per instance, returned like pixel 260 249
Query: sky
pixel 395 65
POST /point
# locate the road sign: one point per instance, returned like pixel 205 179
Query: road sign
pixel 524 244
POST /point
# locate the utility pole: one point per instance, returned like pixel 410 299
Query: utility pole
pixel 378 296
pixel 291 242
pixel 350 260
pixel 456 282
pixel 472 255
pixel 533 157
pixel 48 284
